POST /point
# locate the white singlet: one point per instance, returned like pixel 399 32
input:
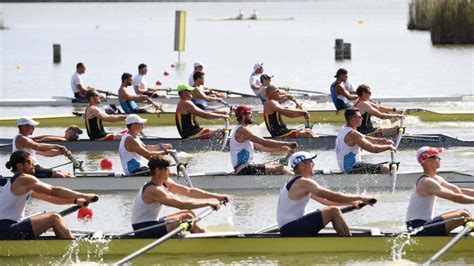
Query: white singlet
pixel 131 161
pixel 30 151
pixel 289 210
pixel 139 81
pixel 145 212
pixel 346 155
pixel 13 206
pixel 420 207
pixel 241 154
pixel 76 79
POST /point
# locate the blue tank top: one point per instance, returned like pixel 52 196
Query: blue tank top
pixel 128 106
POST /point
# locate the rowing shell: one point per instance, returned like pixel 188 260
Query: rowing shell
pixel 232 243
pixel 325 142
pixel 168 118
pixel 110 181
pixel 245 19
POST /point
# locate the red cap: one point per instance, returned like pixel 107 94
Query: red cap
pixel 241 109
pixel 425 152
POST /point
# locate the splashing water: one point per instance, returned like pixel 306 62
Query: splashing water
pixel 96 245
pixel 401 241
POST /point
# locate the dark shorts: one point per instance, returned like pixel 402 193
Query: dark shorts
pixel 340 105
pixel 142 171
pixel 366 168
pixel 105 136
pixel 366 130
pixel 438 230
pixel 41 172
pixel 202 107
pixel 13 230
pixel 283 133
pixel 308 225
pixel 253 169
pixel 155 232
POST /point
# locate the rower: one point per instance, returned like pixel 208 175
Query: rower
pixel 265 80
pixel 202 95
pixel 272 112
pixel 255 83
pixel 140 86
pixel 22 186
pixel 77 85
pixel 198 67
pixel 161 190
pixel 427 189
pixel 240 16
pixel 127 100
pixel 71 134
pixel 186 112
pixel 93 118
pixel 340 96
pixel 132 150
pixel 350 142
pixel 254 14
pixel 294 197
pixel 370 108
pixel 23 141
pixel 242 141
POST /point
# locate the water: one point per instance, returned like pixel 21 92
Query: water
pixel 111 38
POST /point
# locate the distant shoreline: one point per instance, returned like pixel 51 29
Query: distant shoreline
pixel 135 1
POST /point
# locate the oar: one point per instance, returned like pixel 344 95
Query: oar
pixel 305 91
pixel 393 164
pixel 300 106
pixel 75 163
pixel 181 168
pixel 236 93
pixel 226 134
pixel 75 207
pixel 184 226
pixel 467 228
pixel 108 93
pixel 274 227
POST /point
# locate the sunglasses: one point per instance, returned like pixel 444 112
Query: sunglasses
pixel 30 162
pixel 434 157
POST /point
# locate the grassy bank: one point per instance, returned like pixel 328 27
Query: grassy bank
pixel 450 21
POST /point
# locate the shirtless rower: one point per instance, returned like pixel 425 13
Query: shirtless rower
pixel 133 152
pixel 242 142
pixel 273 111
pixel 341 97
pixel 128 101
pixel 369 108
pixel 23 185
pixel 202 95
pixel 161 190
pixel 93 118
pixel 186 112
pixel 295 195
pixel 23 141
pixel 427 189
pixel 349 145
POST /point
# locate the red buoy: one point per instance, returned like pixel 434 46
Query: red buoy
pixel 173 65
pixel 106 164
pixel 166 73
pixel 158 83
pixel 85 213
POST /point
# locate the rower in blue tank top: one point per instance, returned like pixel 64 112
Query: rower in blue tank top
pixel 340 96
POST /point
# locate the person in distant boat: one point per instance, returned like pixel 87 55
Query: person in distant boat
pixel 255 83
pixel 273 111
pixel 254 14
pixel 17 191
pixel 140 86
pixel 240 16
pixel 350 142
pixel 369 108
pixel 161 190
pixel 128 101
pixel 198 67
pixel 77 85
pixel 71 134
pixel 23 141
pixel 295 195
pixel 242 142
pixel 93 118
pixel 202 95
pixel 186 112
pixel 427 189
pixel 133 152
pixel 340 96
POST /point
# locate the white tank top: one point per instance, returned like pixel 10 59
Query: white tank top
pixel 289 210
pixel 131 161
pixel 241 154
pixel 31 151
pixel 346 155
pixel 145 212
pixel 13 206
pixel 419 207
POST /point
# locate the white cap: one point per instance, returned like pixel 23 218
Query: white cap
pixel 299 157
pixel 132 119
pixel 25 120
pixel 257 66
pixel 198 64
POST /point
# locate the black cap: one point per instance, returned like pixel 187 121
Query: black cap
pixel 265 76
pixel 340 71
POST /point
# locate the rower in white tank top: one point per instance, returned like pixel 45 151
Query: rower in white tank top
pixel 131 161
pixel 145 212
pixel 346 155
pixel 12 207
pixel 420 208
pixel 30 151
pixel 289 210
pixel 241 154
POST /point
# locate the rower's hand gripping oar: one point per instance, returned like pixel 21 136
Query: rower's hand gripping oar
pixel 184 226
pixel 181 167
pixel 300 106
pixel 393 164
pixel 76 207
pixel 225 138
pixel 75 163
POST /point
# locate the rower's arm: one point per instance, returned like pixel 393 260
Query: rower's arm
pixel 276 107
pixel 454 188
pixel 47 138
pixel 133 146
pixel 434 188
pixel 266 145
pixel 191 108
pixel 195 193
pixel 139 91
pixel 106 117
pixel 169 199
pixel 41 147
pixel 327 202
pixel 81 88
pixel 343 91
pixel 332 196
pixel 365 144
pixel 198 94
pixel 125 96
pixel 375 111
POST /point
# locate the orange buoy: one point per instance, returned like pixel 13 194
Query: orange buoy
pixel 85 213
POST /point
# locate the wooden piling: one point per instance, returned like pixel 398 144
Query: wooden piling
pixel 339 48
pixel 347 51
pixel 56 53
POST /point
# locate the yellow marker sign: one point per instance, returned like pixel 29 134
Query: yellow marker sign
pixel 179 31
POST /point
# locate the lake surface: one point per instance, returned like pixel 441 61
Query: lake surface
pixel 112 38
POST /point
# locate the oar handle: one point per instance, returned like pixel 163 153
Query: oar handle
pixel 107 93
pixel 69 210
pixel 360 205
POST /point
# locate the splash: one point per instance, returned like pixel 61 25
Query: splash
pixel 94 246
pixel 401 241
